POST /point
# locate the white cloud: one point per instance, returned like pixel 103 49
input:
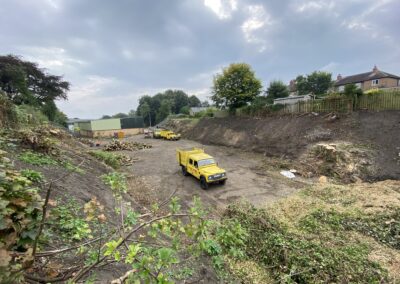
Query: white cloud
pixel 53 58
pixel 362 22
pixel 222 8
pixel 258 20
pixel 314 6
pixel 330 67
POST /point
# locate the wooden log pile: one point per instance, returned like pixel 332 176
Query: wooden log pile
pixel 117 145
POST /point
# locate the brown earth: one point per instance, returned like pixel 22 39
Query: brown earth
pixel 247 179
pixel 291 137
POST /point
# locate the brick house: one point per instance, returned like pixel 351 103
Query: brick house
pixel 370 80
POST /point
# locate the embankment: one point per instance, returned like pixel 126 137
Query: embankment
pixel 290 137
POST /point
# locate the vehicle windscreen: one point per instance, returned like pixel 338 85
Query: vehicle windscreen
pixel 206 162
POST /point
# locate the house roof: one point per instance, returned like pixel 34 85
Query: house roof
pixel 197 109
pixel 74 120
pixel 374 74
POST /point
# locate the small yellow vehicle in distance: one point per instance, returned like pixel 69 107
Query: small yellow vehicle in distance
pixel 200 165
pixel 157 133
pixel 169 135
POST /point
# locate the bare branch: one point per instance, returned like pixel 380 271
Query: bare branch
pixel 122 279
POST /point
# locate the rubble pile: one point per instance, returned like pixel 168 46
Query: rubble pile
pixel 117 145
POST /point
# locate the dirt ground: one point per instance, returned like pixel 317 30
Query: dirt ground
pixel 291 136
pixel 246 180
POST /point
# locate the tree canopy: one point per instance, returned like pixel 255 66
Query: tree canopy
pixel 156 108
pixel 277 89
pixel 194 101
pixel 26 83
pixel 316 83
pixel 236 86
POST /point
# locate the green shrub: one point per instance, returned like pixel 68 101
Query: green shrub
pixel 67 221
pixel 32 175
pixel 30 115
pixel 117 183
pixel 294 258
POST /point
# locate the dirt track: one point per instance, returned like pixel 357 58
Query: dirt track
pixel 159 168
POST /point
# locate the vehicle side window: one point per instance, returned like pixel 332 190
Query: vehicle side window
pixel 195 164
pixel 191 161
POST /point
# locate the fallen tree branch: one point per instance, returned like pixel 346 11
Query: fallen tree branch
pixel 52 252
pixel 122 279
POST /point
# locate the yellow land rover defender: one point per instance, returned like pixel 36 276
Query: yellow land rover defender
pixel 169 135
pixel 200 165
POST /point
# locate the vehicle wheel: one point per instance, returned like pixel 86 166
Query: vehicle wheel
pixel 203 183
pixel 184 171
pixel 222 182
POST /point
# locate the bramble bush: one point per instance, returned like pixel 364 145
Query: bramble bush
pixel 20 207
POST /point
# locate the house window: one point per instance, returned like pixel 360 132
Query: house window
pixel 341 88
pixel 375 82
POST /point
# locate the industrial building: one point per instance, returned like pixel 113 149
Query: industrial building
pixel 109 127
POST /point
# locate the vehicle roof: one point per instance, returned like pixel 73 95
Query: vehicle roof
pixel 200 156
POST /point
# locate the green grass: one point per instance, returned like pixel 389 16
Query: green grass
pixel 113 160
pixel 71 167
pixel 37 159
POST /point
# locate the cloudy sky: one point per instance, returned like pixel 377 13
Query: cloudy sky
pixel 113 52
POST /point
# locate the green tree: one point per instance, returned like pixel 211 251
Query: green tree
pixel 132 113
pixel 164 111
pixel 194 101
pixel 205 104
pixel 25 83
pixel 316 83
pixel 61 118
pixel 144 111
pixel 177 98
pixel 106 116
pixel 236 86
pixel 185 110
pixel 120 115
pixel 277 89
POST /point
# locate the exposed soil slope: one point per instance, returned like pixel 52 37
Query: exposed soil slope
pixel 290 137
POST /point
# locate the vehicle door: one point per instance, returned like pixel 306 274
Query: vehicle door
pixel 190 167
pixel 196 171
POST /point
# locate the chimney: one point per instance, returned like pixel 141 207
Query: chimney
pixel 339 77
pixel 375 69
